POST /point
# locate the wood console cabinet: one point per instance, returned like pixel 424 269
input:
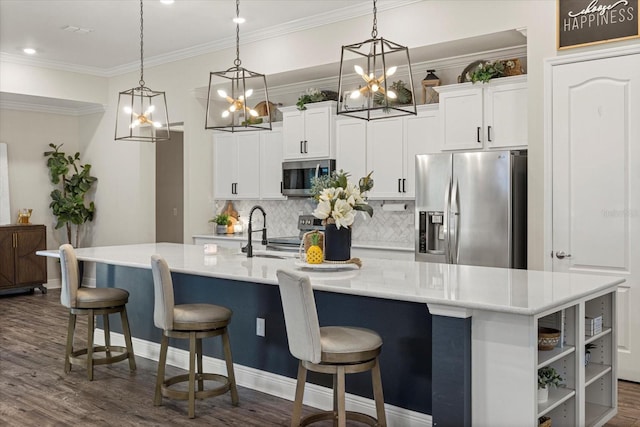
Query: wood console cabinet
pixel 20 267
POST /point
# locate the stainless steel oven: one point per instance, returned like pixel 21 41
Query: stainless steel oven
pixel 296 175
pixel 292 243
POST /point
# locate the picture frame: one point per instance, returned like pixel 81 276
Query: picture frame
pixel 589 22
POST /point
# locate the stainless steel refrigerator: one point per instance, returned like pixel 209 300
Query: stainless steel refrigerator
pixel 471 208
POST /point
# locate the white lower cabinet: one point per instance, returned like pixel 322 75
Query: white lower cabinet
pixel 247 165
pixel 506 360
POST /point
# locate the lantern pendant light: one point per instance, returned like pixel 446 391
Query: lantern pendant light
pixel 228 103
pixel 365 86
pixel 142 112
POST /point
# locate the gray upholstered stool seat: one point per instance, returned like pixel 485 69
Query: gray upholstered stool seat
pixel 335 350
pixel 92 302
pixel 193 322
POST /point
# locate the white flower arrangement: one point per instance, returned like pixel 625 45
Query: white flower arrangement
pixel 338 199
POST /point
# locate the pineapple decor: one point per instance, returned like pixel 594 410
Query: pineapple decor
pixel 314 253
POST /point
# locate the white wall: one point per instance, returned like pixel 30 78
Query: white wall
pixel 125 196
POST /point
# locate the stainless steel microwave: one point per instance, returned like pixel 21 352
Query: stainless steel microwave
pixel 296 175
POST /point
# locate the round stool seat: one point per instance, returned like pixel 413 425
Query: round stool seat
pixel 344 344
pixel 198 317
pixel 101 297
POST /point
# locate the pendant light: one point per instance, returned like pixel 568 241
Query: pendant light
pixel 375 78
pixel 142 112
pixel 228 103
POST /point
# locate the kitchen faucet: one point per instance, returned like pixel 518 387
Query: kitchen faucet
pixel 249 247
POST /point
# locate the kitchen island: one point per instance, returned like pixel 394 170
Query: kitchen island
pixel 470 359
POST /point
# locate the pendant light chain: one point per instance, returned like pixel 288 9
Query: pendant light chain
pixel 141 47
pixel 237 62
pixel 374 31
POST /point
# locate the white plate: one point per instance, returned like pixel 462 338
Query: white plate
pixel 325 266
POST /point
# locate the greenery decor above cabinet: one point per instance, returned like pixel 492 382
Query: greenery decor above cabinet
pixel 247 165
pixel 484 115
pixel 20 267
pixel 309 134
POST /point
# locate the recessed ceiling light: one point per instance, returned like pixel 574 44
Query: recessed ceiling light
pixel 29 51
pixel 167 1
pixel 239 20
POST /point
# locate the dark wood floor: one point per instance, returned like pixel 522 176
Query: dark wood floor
pixel 34 391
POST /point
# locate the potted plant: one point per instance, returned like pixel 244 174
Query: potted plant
pixel 547 377
pixel 68 202
pixel 314 95
pixel 222 222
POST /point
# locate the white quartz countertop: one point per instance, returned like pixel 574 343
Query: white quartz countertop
pixel 526 292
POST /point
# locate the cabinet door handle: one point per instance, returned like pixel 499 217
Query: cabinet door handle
pixel 15 240
pixel 301 147
pixel 281 189
pixel 489 133
pixel 478 134
pixel 404 181
pixel 399 187
pixel 306 146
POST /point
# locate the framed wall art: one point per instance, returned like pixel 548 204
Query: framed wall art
pixel 587 22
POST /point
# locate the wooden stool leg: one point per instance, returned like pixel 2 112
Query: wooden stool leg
pixel 90 331
pixel 342 415
pixel 199 360
pixel 70 331
pixel 127 338
pixel 378 396
pixel 226 346
pixel 335 399
pixel 297 403
pixel 157 400
pixel 192 374
pixel 107 335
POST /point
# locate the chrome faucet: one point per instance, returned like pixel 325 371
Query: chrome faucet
pixel 249 247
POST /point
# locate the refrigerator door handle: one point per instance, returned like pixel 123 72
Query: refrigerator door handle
pixel 445 223
pixel 455 227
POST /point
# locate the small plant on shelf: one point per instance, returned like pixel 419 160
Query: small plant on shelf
pixel 587 352
pixel 547 377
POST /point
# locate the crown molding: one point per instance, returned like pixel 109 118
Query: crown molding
pixel 343 14
pixel 52 109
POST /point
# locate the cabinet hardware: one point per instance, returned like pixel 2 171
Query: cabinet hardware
pixel 399 188
pixel 561 255
pixel 306 146
pixel 478 134
pixel 489 133
pixel 15 240
pixel 301 147
pixel 404 181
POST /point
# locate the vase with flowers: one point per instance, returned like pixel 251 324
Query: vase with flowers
pixel 338 199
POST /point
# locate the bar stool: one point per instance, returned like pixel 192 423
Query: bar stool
pixel 193 322
pixel 92 302
pixel 332 350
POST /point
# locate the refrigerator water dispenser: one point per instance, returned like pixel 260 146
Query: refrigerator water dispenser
pixel 431 233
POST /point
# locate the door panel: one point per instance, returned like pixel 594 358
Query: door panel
pixel 596 182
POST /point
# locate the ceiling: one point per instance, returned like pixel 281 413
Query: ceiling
pixel 108 38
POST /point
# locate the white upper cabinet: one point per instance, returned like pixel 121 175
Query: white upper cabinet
pixel 385 157
pixel 351 146
pixel 484 116
pixel 309 134
pixel 247 165
pixel 388 148
pixel 271 164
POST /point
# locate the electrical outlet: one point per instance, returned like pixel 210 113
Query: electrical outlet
pixel 260 326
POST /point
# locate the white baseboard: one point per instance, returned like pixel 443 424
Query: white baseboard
pixel 273 384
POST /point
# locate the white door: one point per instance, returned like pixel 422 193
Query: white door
pixel 292 134
pixel 421 136
pixel 317 131
pixel 505 115
pixel 596 182
pixel 461 117
pixel 271 164
pixel 224 165
pixel 248 165
pixel 351 147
